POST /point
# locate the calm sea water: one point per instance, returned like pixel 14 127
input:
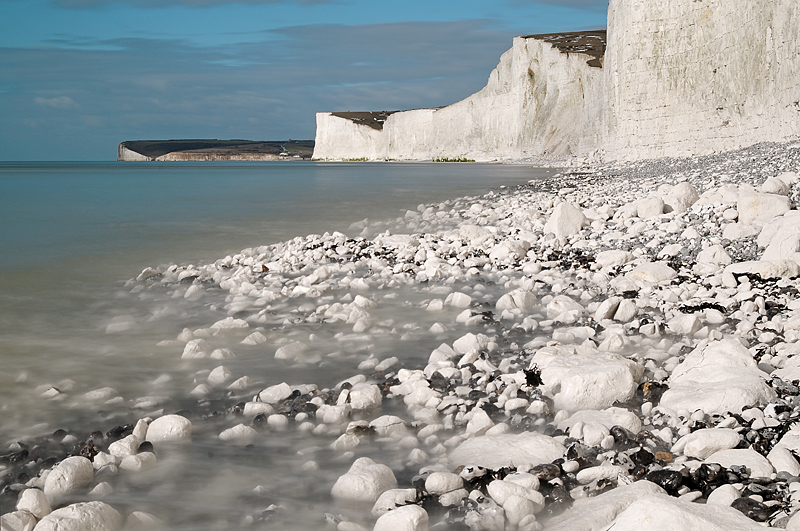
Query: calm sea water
pixel 71 234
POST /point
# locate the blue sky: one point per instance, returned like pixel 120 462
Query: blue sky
pixel 79 76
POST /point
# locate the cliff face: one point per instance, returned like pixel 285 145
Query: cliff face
pixel 679 77
pixel 686 77
pixel 538 102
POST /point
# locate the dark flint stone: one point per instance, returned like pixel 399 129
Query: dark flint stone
pixel 630 294
pixel 119 432
pixel 59 434
pixel 620 434
pixel 438 381
pixel 364 431
pixel 260 422
pixel 741 471
pixel 603 485
pixel 533 377
pixel 767 492
pixel 669 480
pixel 188 280
pixel 97 436
pixel 652 391
pixel 432 506
pixel 753 509
pixel 146 446
pixel 556 498
pixel 14 457
pixel 546 472
pixel 476 394
pixel 88 450
pixel 642 457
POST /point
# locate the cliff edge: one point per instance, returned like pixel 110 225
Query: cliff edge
pixel 668 78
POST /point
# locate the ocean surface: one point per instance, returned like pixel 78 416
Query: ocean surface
pixel 73 234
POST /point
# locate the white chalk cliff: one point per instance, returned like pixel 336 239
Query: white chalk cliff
pixel 678 78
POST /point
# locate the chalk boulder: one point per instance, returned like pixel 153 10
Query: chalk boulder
pixel 365 481
pixel 69 477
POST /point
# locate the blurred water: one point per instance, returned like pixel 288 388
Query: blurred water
pixel 71 234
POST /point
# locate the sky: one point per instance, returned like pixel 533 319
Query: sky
pixel 77 77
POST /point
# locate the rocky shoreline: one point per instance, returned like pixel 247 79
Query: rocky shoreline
pixel 618 347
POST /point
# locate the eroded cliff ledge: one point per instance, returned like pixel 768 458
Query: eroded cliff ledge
pixel 669 78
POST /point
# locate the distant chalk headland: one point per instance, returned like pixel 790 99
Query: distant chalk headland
pixel 214 150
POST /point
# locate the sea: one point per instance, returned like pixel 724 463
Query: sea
pixel 74 234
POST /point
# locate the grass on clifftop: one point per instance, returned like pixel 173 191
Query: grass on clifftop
pixel 457 159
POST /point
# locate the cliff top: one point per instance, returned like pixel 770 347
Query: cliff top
pixel 591 43
pixel 374 119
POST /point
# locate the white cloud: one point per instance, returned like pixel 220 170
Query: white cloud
pixel 60 102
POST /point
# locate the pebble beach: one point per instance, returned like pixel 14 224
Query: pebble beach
pixel 616 346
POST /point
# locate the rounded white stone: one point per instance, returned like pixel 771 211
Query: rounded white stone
pixel 406 518
pixel 70 476
pixel 94 516
pixel 35 502
pixel 169 428
pixel 443 482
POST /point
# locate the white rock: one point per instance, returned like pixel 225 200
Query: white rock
pixel 724 495
pixel 652 273
pixel 406 518
pixel 365 396
pixel 681 197
pixel 35 502
pixel 782 460
pixel 239 434
pixel 392 499
pixel 715 254
pixel 292 351
pixel 704 442
pixel 596 513
pixel 17 521
pixel 219 376
pixel 222 354
pixel 613 416
pixel 517 299
pixel 566 220
pixel 443 482
pixel 275 393
pixel 596 473
pixel 365 481
pixel 737 231
pixel 124 447
pixel 89 516
pixel 758 464
pixel 607 309
pixel 102 394
pixel 684 324
pixel 613 258
pixel 497 451
pixel 458 300
pixel 69 477
pixel 196 348
pixel 101 490
pixel 517 508
pixel 719 377
pixel 584 378
pixel 509 250
pixel 470 342
pixel 479 423
pixel 256 338
pixel 626 311
pixel 139 462
pixel 142 520
pixel 766 268
pixel 665 513
pixel 774 185
pixel 564 309
pixel 169 428
pixel 229 323
pixel 649 207
pixel 753 205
